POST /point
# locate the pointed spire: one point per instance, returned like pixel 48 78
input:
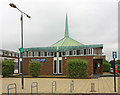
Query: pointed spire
pixel 66 27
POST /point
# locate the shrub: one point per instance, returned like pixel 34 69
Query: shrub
pixel 106 66
pixel 7 67
pixel 34 68
pixel 77 68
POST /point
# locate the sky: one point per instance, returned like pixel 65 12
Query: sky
pixel 89 21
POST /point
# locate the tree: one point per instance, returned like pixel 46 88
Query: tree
pixel 7 67
pixel 34 68
pixel 77 68
pixel 117 61
pixel 106 66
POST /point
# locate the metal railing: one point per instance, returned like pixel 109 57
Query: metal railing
pixel 53 85
pixel 71 85
pixel 33 85
pixel 15 87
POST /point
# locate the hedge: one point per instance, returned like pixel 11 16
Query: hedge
pixel 77 68
pixel 106 66
pixel 34 68
pixel 7 67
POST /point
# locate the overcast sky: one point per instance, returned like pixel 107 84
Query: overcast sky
pixel 90 22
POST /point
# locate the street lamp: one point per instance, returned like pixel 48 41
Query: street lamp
pixel 21 19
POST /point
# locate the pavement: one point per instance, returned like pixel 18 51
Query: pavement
pixel 102 85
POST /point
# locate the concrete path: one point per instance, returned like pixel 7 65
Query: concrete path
pixel 102 85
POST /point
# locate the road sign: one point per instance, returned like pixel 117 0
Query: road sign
pixel 114 53
pixel 21 50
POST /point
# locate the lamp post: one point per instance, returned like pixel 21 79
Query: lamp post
pixel 21 19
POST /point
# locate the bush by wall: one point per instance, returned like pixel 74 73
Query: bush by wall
pixel 34 68
pixel 77 68
pixel 106 66
pixel 7 67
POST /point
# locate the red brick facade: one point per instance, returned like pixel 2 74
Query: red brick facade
pixel 47 67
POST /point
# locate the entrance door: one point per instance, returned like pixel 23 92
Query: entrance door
pixel 57 67
pixel 94 68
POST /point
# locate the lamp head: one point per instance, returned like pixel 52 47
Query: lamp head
pixel 28 16
pixel 12 5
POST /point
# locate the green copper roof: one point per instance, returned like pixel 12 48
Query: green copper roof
pixel 66 41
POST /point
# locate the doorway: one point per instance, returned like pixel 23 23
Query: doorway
pixel 94 68
pixel 57 67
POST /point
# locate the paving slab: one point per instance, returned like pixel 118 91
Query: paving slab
pixel 102 85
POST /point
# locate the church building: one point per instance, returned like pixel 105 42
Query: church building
pixel 54 58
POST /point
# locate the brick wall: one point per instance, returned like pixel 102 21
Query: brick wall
pixel 46 67
pixel 89 59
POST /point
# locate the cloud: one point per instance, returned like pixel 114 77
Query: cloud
pixel 90 22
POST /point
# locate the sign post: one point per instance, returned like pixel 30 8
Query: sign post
pixel 114 53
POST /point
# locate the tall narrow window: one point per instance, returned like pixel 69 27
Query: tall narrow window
pixel 33 53
pixel 55 55
pixel 54 66
pixel 89 51
pixel 45 53
pixel 78 52
pixel 39 53
pixel 84 51
pixel 70 52
pixel 51 53
pixel 60 66
pixel 63 53
pixel 59 54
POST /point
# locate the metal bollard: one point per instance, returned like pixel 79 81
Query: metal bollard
pixel 71 86
pixel 32 86
pixel 93 87
pixel 53 85
pixel 12 88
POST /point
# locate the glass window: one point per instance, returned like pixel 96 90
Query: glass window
pixel 78 52
pixel 59 54
pixel 33 53
pixel 84 51
pixel 63 53
pixel 55 55
pixel 45 53
pixel 5 53
pixel 70 52
pixel 89 51
pixel 39 53
pixel 51 53
pixel 54 66
pixel 60 66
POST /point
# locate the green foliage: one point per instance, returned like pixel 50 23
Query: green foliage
pixel 106 66
pixel 117 61
pixel 34 68
pixel 77 68
pixel 7 67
